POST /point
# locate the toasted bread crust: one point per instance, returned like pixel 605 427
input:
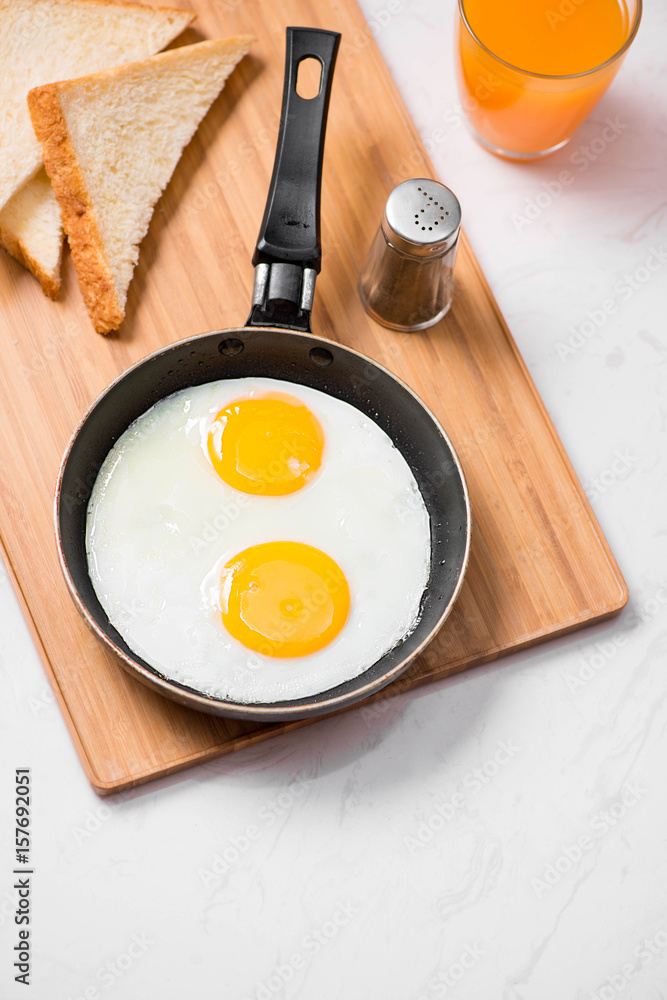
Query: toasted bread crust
pixel 78 216
pixel 105 303
pixel 50 282
pixel 14 174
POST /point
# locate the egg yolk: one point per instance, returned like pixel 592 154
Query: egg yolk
pixel 270 445
pixel 284 598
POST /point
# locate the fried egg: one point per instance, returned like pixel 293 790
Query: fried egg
pixel 258 540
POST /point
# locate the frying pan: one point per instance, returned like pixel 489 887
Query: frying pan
pixel 276 342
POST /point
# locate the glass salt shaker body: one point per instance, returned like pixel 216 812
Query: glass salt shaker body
pixel 407 282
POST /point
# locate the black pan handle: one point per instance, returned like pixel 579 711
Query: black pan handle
pixel 288 255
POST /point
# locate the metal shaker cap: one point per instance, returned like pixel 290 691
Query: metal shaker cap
pixel 422 218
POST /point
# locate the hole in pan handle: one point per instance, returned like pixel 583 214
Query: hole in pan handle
pixel 288 255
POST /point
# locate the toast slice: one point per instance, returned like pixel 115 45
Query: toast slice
pixel 31 230
pixel 111 143
pixel 46 40
pixel 42 41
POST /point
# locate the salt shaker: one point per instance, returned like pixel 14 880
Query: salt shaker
pixel 407 283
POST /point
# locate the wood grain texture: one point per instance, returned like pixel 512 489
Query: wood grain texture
pixel 539 564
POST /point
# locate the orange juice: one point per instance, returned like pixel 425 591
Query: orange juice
pixel 530 71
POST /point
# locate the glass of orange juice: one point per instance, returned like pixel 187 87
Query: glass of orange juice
pixel 530 71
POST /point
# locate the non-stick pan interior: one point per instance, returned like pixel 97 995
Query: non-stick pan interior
pixel 309 361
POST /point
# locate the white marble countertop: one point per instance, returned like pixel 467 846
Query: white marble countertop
pixel 498 836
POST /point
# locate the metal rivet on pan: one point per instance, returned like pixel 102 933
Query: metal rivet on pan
pixel 231 346
pixel 320 356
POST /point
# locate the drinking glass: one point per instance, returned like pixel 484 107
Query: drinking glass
pixel 521 112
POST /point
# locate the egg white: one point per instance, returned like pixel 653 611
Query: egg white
pixel 161 524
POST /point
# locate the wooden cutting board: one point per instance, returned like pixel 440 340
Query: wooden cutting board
pixel 539 566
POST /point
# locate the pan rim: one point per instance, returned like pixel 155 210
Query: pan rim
pixel 259 711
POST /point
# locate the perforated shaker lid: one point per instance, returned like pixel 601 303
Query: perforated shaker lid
pixel 422 217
